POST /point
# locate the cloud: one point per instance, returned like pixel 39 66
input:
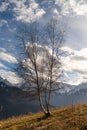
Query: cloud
pixel 2 49
pixel 33 10
pixel 78 58
pixel 76 61
pixel 7 57
pixel 75 65
pixel 7 63
pixel 10 76
pixel 78 7
pixel 77 30
pixel 3 6
pixel 27 12
pixel 83 72
pixel 3 22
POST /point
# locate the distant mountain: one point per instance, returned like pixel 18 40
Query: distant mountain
pixel 79 88
pixel 14 101
pixel 69 98
pixel 4 82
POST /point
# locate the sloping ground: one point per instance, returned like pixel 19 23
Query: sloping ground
pixel 68 118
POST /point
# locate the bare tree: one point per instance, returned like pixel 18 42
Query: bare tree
pixel 42 68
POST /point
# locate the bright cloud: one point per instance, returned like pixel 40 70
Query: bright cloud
pixel 32 10
pixel 3 6
pixel 79 7
pixel 75 65
pixel 7 57
pixel 7 63
pixel 10 76
pixel 27 12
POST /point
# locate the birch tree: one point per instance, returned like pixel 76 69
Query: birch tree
pixel 42 68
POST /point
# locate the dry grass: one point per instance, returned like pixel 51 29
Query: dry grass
pixel 68 118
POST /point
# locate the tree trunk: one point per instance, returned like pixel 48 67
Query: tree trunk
pixel 46 112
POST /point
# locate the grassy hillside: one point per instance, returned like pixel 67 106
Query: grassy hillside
pixel 67 118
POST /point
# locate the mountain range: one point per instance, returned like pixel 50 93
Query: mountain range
pixel 14 101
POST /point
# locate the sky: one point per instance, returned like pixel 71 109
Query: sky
pixel 72 12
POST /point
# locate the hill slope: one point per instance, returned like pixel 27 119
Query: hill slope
pixel 69 118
